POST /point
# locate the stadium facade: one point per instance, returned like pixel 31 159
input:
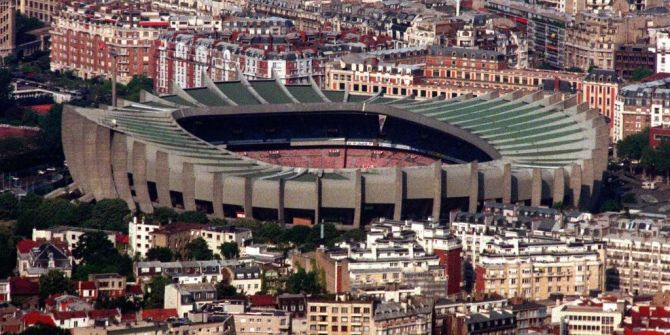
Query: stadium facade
pixel 238 148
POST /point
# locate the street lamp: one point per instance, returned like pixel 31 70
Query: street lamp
pixel 113 53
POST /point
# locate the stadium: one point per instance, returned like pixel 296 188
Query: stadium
pixel 299 154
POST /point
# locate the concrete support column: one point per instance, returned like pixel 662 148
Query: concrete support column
pixel 248 192
pixel 437 190
pixel 280 199
pixel 163 179
pixel 507 183
pixel 188 186
pixel 217 194
pixel 576 184
pixel 536 188
pixel 559 185
pixel 588 179
pixel 317 200
pixel 474 187
pixel 139 164
pixel 358 198
pixel 104 163
pixel 399 186
pixel 120 168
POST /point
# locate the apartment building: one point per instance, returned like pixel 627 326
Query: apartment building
pixel 186 298
pixel 403 318
pixel 340 317
pixel 630 57
pixel 175 236
pixel 435 238
pixel 494 322
pixel 536 269
pixel 640 106
pixel 599 90
pixel 263 322
pixel 447 72
pixel 586 316
pixel 638 262
pixel 545 29
pixel 592 40
pixel 109 285
pixel 88 38
pixel 182 271
pixel 140 239
pixel 662 50
pixel 186 59
pixel 7 27
pixel 246 279
pixel 336 270
pixel 69 235
pixel 217 235
pixel 43 10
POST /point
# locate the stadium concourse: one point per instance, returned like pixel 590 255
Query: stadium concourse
pixel 300 154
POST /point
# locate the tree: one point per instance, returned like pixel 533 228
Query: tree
pixel 218 222
pixel 6 99
pixel 662 160
pixel 610 205
pixel 163 215
pixel 297 234
pixel 229 250
pixel 50 133
pixel 9 206
pixel 161 254
pixel 110 214
pixel 641 73
pixel 356 235
pixel 50 213
pixel 54 282
pixel 44 330
pixel 632 146
pixel 198 250
pixel 225 290
pixel 137 84
pixel 192 217
pixel 304 282
pixel 155 291
pixel 648 159
pixel 94 247
pixel 8 254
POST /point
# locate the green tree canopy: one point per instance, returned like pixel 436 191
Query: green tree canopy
pixel 44 330
pixel 198 250
pixel 192 217
pixel 632 146
pixel 641 73
pixel 304 282
pixel 50 213
pixel 225 290
pixel 161 254
pixel 8 254
pixel 54 282
pixel 110 214
pixel 94 247
pixel 155 291
pixel 137 84
pixel 9 206
pixel 229 250
pixel 163 215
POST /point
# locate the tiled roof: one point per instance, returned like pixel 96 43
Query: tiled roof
pixel 23 286
pixel 104 314
pixel 37 318
pixel 25 246
pixel 69 315
pixel 159 314
pixel 262 300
